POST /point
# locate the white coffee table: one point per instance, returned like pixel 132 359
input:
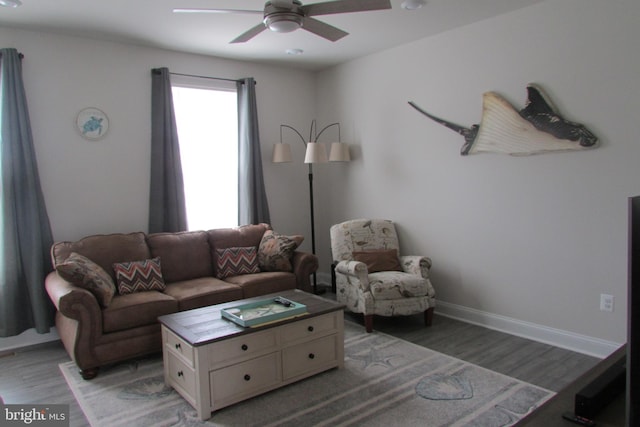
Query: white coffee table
pixel 213 363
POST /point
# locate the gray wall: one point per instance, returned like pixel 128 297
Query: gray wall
pixel 102 186
pixel 531 242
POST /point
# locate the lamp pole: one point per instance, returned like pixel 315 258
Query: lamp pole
pixel 310 159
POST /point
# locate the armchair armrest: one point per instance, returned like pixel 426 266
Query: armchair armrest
pixel 357 270
pixel 416 264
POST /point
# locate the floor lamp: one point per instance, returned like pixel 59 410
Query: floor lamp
pixel 315 152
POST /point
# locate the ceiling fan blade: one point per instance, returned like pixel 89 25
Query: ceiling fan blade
pixel 217 11
pixel 248 35
pixel 345 6
pixel 323 29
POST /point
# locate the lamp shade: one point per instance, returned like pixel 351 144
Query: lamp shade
pixel 339 152
pixel 281 153
pixel 316 153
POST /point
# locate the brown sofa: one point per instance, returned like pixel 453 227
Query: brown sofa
pixel 95 335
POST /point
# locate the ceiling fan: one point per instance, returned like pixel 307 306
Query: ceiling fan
pixel 284 16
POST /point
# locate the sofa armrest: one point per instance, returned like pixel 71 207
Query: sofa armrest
pixel 357 270
pixel 81 325
pixel 304 265
pixel 68 298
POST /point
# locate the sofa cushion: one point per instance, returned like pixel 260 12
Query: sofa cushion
pixel 379 260
pixel 276 250
pixel 104 249
pixel 139 276
pixel 83 272
pixel 253 285
pixel 236 261
pixel 202 292
pixel 137 309
pixel 185 255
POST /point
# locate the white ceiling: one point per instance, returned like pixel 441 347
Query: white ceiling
pixel 152 23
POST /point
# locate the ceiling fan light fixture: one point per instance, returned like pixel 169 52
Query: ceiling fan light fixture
pixel 283 22
pixel 10 3
pixel 412 4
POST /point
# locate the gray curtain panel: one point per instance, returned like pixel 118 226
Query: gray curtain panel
pixel 25 230
pixel 167 209
pixel 252 197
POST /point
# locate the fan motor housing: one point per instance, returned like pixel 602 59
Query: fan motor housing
pixel 283 20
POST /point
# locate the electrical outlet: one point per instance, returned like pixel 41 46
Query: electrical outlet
pixel 606 302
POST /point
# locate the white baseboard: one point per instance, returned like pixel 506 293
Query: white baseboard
pixel 559 338
pixel 27 338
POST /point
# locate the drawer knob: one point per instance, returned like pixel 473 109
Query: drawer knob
pixel 312 356
pixel 247 377
pixel 244 347
pixel 180 374
pixel 178 346
pixel 310 329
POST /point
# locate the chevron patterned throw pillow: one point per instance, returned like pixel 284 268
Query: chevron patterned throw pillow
pixel 139 276
pixel 237 261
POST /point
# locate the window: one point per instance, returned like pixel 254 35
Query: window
pixel 207 120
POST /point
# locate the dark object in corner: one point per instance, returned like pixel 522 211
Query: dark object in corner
pixel 570 416
pixel 601 391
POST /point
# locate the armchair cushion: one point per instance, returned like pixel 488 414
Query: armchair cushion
pixel 139 276
pixel 83 272
pixel 391 285
pixel 379 260
pixel 276 250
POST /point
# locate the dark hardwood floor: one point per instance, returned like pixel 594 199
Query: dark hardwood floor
pixel 536 363
pixel 32 375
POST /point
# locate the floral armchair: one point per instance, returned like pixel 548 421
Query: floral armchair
pixel 370 276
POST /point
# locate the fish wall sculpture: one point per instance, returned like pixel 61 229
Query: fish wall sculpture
pixel 537 128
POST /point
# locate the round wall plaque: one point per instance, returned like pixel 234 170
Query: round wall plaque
pixel 92 123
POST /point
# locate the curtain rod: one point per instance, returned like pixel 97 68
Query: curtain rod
pixel 207 77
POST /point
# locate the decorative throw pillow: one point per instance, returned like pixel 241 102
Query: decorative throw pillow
pixel 276 250
pixel 236 261
pixel 83 272
pixel 139 276
pixel 379 260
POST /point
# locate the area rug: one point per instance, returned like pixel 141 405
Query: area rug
pixel 386 381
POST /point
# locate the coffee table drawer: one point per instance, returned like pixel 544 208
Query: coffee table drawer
pixel 179 346
pixel 244 380
pixel 242 347
pixel 182 375
pixel 309 328
pixel 309 357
